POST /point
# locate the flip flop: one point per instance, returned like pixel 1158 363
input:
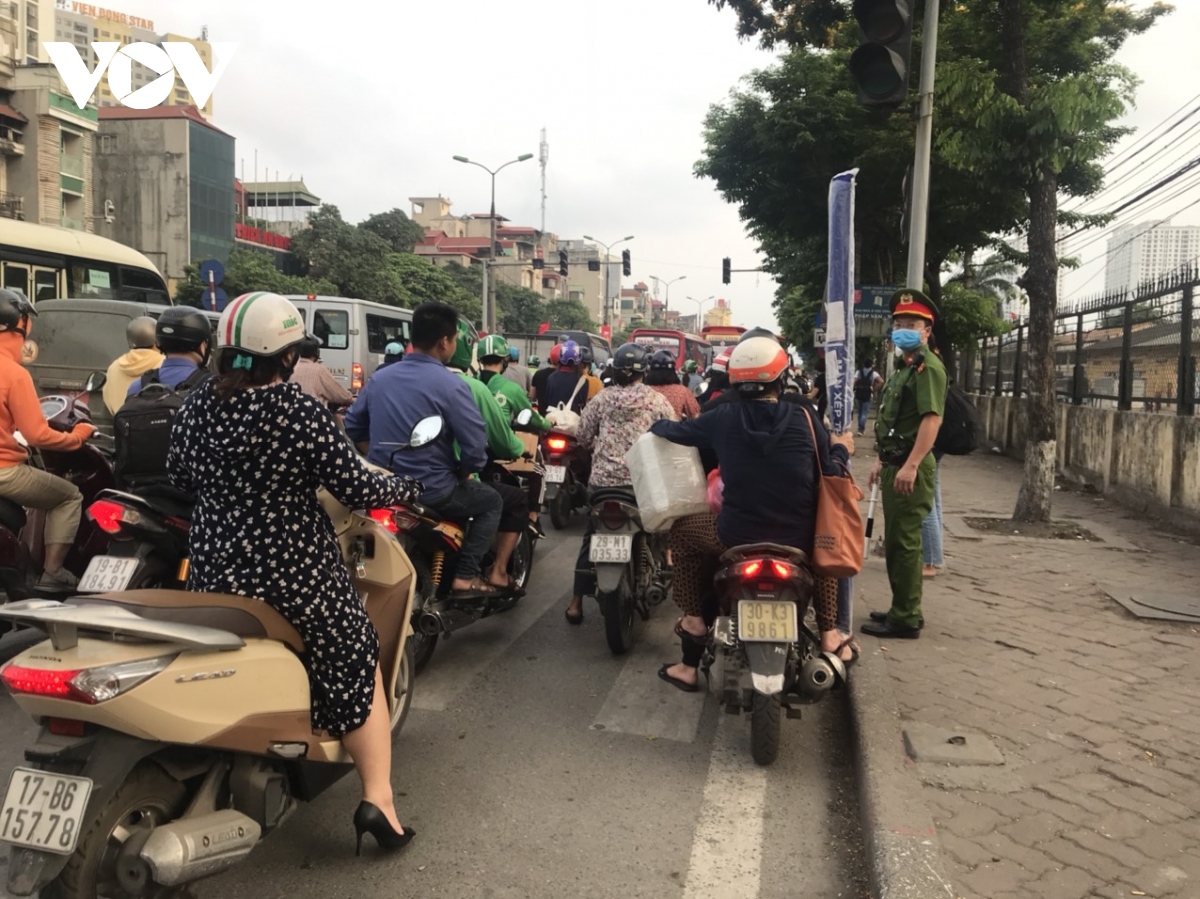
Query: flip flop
pixel 676 682
pixel 478 590
pixel 855 651
pixel 511 588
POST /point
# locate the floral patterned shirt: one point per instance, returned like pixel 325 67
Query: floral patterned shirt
pixel 612 422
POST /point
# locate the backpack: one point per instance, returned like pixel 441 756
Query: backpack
pixel 562 416
pixel 862 385
pixel 142 429
pixel 961 428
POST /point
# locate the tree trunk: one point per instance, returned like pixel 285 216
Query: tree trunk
pixel 1041 283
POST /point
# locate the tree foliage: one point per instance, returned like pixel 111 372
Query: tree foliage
pixel 395 227
pixel 569 315
pixel 246 271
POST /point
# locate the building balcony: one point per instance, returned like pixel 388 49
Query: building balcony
pixel 10 145
pixel 12 206
pixel 70 165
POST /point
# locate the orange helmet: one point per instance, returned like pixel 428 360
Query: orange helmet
pixel 757 361
pixel 555 353
pixel 721 363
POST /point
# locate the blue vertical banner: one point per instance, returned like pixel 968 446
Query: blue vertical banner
pixel 839 302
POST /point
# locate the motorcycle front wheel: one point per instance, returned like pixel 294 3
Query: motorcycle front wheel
pixel 766 716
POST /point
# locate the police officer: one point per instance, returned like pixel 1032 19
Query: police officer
pixel 910 415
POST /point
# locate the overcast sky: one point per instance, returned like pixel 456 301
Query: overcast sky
pixel 370 100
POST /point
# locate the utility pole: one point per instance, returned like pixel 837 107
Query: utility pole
pixel 918 218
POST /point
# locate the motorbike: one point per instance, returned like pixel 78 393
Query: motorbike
pixel 22 546
pixel 175 727
pixel 631 572
pixel 148 540
pixel 770 660
pixel 567 470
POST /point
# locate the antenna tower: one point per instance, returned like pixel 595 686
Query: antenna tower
pixel 543 159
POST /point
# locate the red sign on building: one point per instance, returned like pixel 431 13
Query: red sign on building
pixel 262 236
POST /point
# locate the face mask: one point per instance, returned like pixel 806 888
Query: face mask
pixel 906 341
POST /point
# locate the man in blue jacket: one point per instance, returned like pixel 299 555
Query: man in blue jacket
pixel 417 387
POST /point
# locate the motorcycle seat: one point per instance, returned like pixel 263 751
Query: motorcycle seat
pixel 240 615
pixel 774 550
pixel 12 515
pixel 613 494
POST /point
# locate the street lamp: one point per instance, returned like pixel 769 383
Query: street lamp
pixel 700 308
pixel 489 287
pixel 607 252
pixel 667 299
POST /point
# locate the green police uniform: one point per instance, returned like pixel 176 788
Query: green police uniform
pixel 912 392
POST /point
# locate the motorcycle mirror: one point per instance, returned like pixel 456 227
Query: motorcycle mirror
pixel 95 381
pixel 524 417
pixel 426 431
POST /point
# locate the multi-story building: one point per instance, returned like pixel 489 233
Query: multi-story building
pixel 1137 253
pixel 169 175
pixel 47 144
pixel 719 315
pixel 24 26
pixel 636 307
pixel 82 23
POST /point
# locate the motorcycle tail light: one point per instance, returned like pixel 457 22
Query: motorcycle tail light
pixel 384 517
pixel 42 682
pixel 751 570
pixel 109 516
pixel 356 376
pixel 782 570
pixel 613 515
pixel 404 522
pixel 768 568
pixel 556 444
pixel 93 685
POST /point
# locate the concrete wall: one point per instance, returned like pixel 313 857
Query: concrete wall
pixel 1150 462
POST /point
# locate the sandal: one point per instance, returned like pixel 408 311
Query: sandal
pixel 573 619
pixel 855 651
pixel 676 682
pixel 477 590
pixel 511 588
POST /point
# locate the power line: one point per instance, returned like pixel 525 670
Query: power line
pixel 1192 183
pixel 1146 192
pixel 1190 147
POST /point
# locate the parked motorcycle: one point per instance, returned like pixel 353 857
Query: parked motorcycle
pixel 771 661
pixel 631 571
pixel 175 726
pixel 567 469
pixel 22 547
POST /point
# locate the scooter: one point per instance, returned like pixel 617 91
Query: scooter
pixel 148 541
pixel 770 660
pixel 631 572
pixel 567 471
pixel 22 546
pixel 175 726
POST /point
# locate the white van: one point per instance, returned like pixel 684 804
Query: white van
pixel 353 334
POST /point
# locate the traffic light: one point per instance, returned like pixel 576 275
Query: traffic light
pixel 538 263
pixel 626 263
pixel 562 262
pixel 593 265
pixel 726 270
pixel 880 64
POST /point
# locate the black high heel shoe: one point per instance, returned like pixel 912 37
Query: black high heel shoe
pixel 369 819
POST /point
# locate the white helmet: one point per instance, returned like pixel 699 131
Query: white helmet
pixel 260 323
pixel 759 360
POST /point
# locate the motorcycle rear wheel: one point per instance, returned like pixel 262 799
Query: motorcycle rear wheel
pixel 766 716
pixel 619 609
pixel 421 644
pixel 560 506
pixel 148 797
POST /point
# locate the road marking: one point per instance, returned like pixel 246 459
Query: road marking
pixel 639 703
pixel 457 661
pixel 727 848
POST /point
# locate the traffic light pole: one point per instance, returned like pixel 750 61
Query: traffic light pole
pixel 919 214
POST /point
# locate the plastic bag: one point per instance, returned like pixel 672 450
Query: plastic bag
pixel 668 480
pixel 716 491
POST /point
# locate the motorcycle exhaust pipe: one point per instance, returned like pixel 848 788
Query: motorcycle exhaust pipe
pixel 432 623
pixel 655 594
pixel 201 846
pixel 821 674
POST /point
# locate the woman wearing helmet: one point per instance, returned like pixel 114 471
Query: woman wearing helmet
pixel 253 450
pixel 560 387
pixel 20 410
pixel 611 423
pixel 768 465
pixel 662 378
pixel 718 378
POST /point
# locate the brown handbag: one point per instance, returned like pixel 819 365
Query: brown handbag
pixel 839 541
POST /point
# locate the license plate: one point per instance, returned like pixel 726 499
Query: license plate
pixel 556 474
pixel 44 810
pixel 611 548
pixel 106 574
pixel 768 621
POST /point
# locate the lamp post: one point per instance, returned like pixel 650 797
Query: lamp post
pixel 607 252
pixel 489 284
pixel 667 298
pixel 700 308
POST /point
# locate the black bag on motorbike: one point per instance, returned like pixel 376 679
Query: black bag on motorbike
pixel 142 429
pixel 961 428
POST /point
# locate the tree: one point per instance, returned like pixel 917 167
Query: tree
pixel 569 315
pixel 520 310
pixel 246 271
pixel 420 281
pixel 395 227
pixel 354 259
pixel 1035 93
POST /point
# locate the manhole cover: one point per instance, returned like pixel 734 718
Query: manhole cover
pixel 1163 606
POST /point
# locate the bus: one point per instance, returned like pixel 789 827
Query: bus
pixel 47 263
pixel 540 344
pixel 684 346
pixel 722 337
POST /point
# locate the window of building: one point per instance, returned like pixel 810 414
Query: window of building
pixel 210 192
pixel 105 34
pixel 108 144
pixel 382 330
pixel 79 26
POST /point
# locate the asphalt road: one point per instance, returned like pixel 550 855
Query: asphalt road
pixel 536 764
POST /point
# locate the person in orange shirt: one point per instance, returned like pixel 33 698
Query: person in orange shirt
pixel 21 411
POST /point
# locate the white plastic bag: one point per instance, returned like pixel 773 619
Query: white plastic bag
pixel 668 480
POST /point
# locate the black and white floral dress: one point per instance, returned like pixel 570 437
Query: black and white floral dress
pixel 255 463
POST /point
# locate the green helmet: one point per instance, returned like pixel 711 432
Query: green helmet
pixel 464 353
pixel 534 361
pixel 691 365
pixel 493 346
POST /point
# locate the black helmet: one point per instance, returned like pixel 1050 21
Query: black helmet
pixel 662 360
pixel 182 329
pixel 15 311
pixel 758 332
pixel 586 356
pixel 630 357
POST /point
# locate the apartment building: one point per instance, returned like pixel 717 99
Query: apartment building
pixel 1146 250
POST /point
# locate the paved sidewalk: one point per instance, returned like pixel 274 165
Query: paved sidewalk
pixel 1093 711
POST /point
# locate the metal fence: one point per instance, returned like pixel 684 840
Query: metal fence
pixel 1118 350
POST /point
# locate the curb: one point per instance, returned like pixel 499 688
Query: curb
pixel 904 859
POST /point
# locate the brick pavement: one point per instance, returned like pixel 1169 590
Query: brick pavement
pixel 1095 711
